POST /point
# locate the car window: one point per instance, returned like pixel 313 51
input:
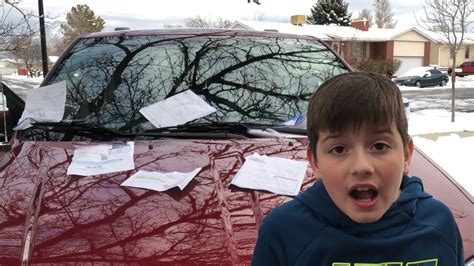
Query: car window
pixel 465 64
pixel 435 72
pixel 247 79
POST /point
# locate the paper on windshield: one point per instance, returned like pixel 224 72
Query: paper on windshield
pixel 160 181
pixel 277 175
pixel 45 104
pixel 102 159
pixel 177 110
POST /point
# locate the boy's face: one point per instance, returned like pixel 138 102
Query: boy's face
pixel 362 170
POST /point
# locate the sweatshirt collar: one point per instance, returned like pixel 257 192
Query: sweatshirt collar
pixel 402 210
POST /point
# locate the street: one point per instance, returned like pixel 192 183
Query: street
pixel 440 98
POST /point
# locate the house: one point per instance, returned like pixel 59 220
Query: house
pixel 440 54
pixel 358 42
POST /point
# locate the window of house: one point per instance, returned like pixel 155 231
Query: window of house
pixel 466 53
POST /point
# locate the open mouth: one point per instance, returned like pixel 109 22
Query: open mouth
pixel 363 194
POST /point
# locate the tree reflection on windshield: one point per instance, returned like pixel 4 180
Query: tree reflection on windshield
pixel 247 79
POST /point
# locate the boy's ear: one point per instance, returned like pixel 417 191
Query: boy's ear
pixel 408 154
pixel 312 160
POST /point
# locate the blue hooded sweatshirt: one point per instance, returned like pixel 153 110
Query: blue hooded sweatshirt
pixel 311 230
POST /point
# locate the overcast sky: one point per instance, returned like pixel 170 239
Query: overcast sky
pixel 154 13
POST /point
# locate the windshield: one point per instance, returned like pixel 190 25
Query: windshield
pixel 247 79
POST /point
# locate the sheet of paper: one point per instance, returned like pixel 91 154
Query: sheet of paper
pixel 277 175
pixel 177 110
pixel 160 181
pixel 102 159
pixel 45 104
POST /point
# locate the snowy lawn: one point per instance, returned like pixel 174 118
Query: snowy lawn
pixel 449 144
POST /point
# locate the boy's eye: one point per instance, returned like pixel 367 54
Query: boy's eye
pixel 380 146
pixel 337 150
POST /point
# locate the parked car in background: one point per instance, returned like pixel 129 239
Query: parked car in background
pixel 464 69
pixel 423 77
pixel 256 81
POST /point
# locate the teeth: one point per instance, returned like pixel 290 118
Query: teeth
pixel 363 194
pixel 365 200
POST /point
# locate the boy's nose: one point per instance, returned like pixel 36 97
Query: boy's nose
pixel 361 164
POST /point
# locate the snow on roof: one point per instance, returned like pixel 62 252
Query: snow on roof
pixel 331 32
pixel 441 37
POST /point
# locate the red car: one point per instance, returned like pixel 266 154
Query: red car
pixel 255 80
pixel 464 69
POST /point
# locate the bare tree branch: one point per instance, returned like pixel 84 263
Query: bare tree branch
pixel 448 18
pixel 14 22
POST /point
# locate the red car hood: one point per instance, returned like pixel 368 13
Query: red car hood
pixel 48 217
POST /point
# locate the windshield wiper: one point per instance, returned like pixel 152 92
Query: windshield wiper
pixel 198 130
pixel 248 129
pixel 229 127
pixel 95 131
pixel 91 130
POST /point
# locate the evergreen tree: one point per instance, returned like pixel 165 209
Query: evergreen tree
pixel 326 12
pixel 80 20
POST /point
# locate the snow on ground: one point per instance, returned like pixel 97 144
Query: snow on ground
pixel 449 144
pixel 25 78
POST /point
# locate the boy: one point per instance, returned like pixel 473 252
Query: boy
pixel 364 210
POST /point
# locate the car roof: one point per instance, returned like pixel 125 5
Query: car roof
pixel 198 31
pixel 416 71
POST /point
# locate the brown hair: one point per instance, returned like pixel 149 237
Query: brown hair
pixel 352 100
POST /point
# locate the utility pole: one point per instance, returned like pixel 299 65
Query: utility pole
pixel 44 52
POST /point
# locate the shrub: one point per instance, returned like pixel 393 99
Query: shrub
pixel 381 66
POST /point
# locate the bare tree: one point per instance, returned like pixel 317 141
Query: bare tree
pixel 172 26
pixel 200 22
pixel 367 15
pixel 450 19
pixel 257 16
pixel 55 45
pixel 13 22
pixel 28 50
pixel 383 14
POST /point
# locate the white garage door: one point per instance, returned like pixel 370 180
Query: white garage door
pixel 408 63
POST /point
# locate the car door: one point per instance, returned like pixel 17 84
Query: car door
pixel 427 79
pixel 470 68
pixel 463 69
pixel 437 77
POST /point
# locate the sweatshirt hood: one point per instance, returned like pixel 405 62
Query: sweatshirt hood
pixel 317 199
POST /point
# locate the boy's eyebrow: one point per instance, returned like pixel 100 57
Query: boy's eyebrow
pixel 331 136
pixel 334 135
